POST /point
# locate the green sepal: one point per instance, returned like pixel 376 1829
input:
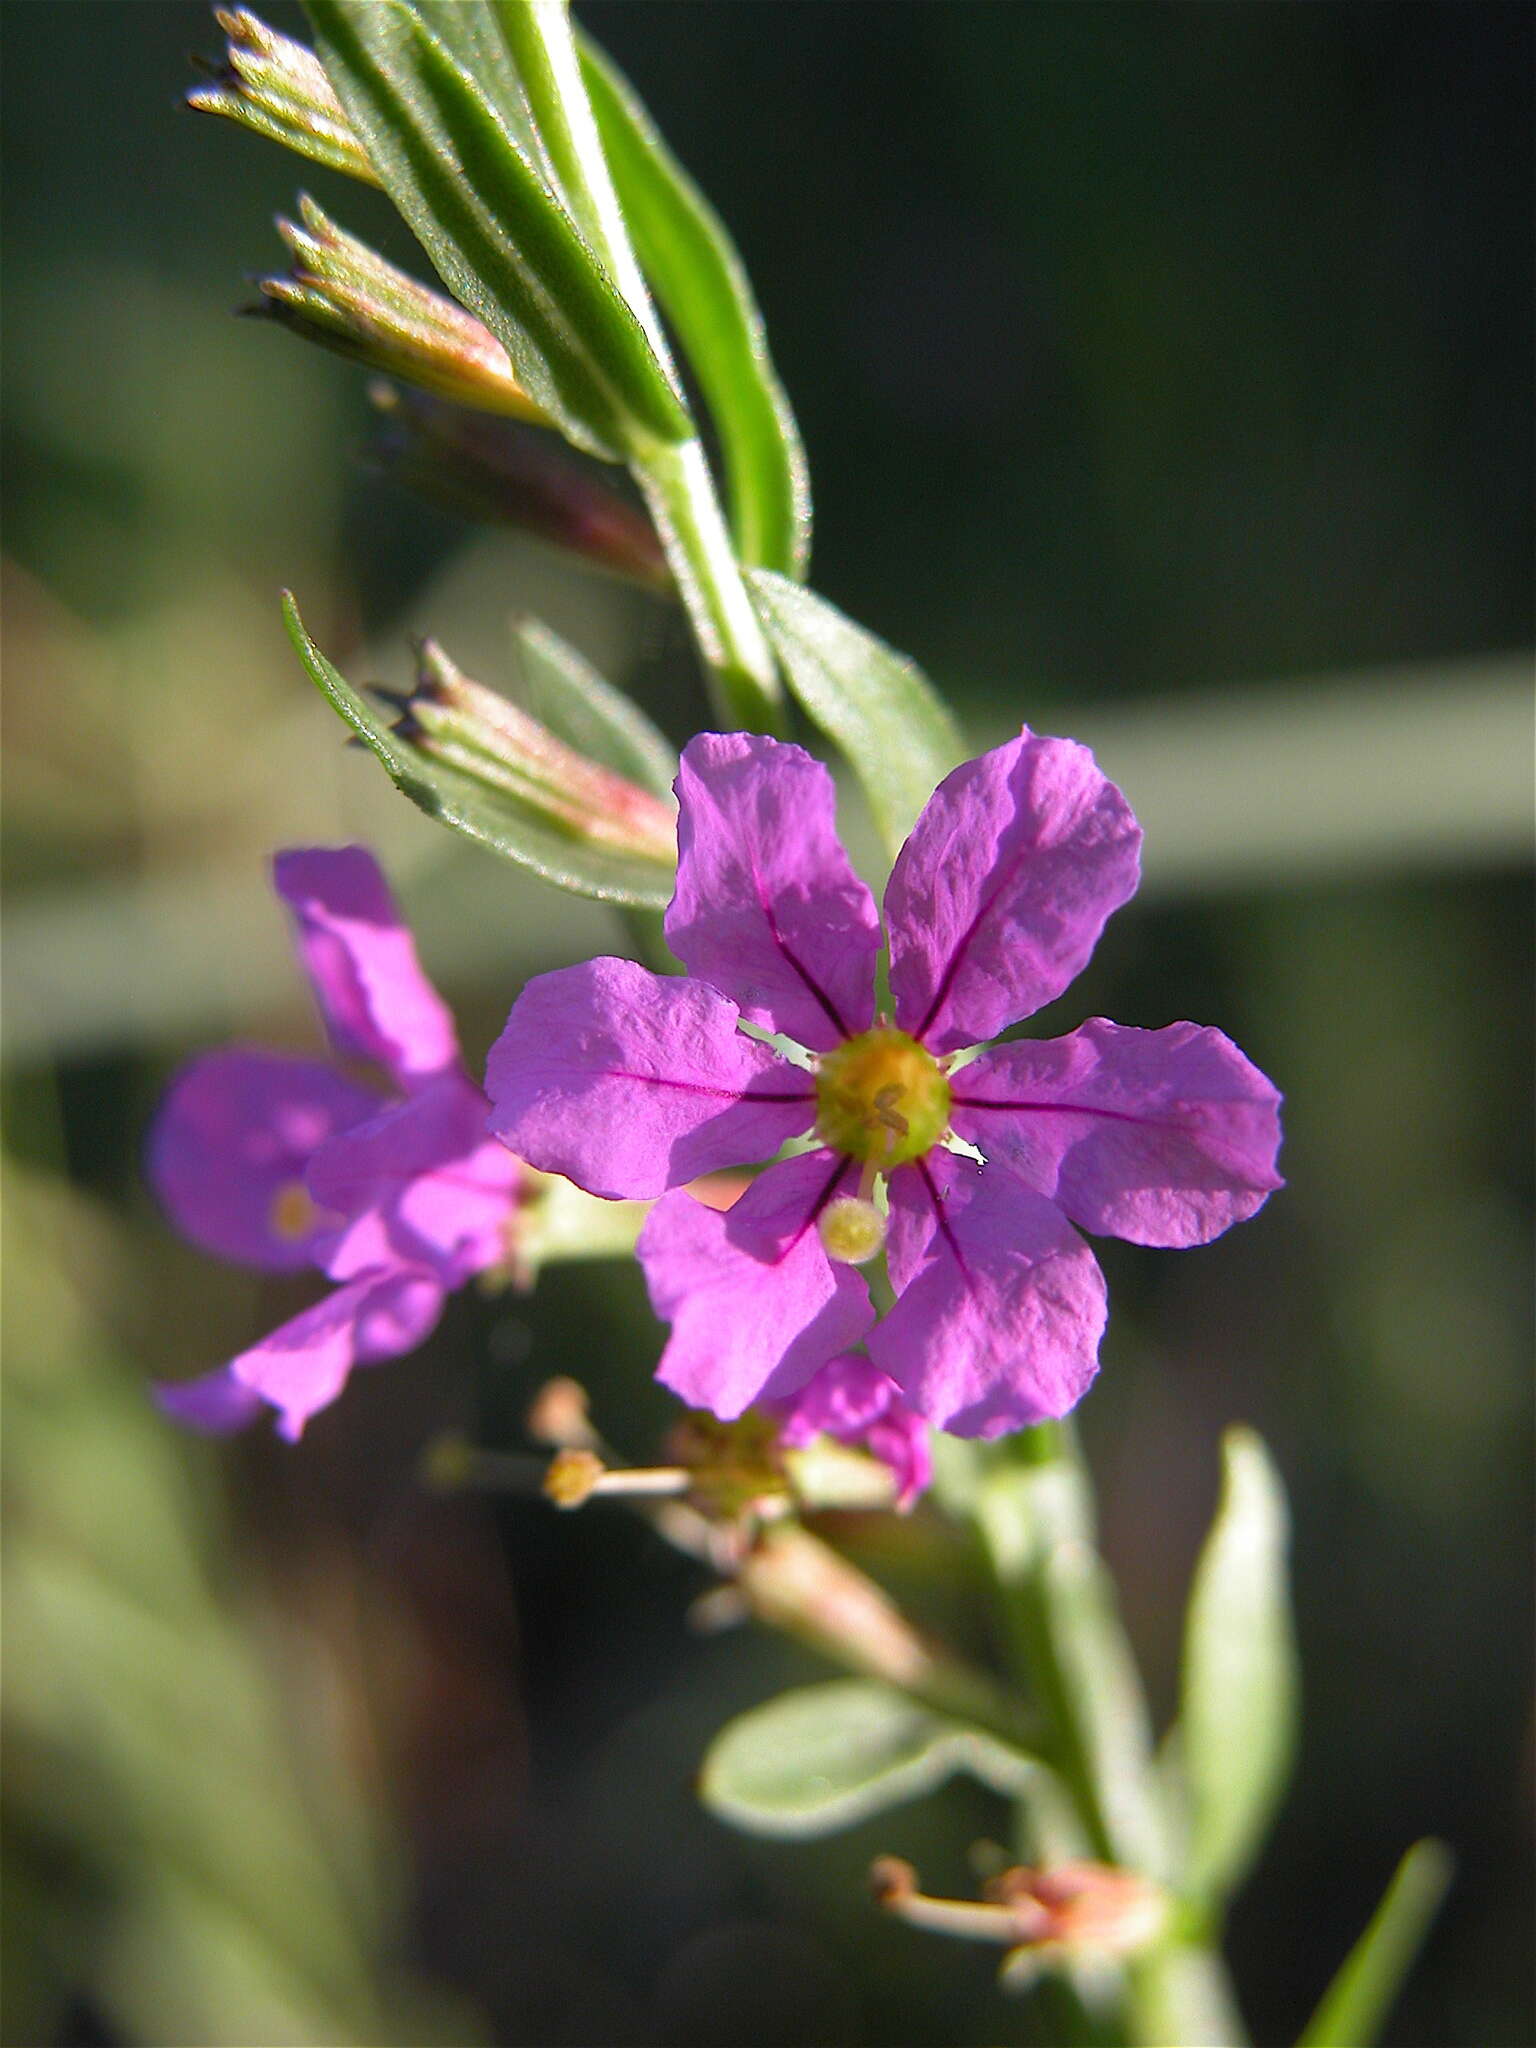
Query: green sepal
pixel 467 805
pixel 436 117
pixel 1358 2000
pixel 873 703
pixel 824 1757
pixel 1237 1722
pixel 692 266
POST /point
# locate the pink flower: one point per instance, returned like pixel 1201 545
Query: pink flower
pixel 632 1084
pixel 282 1163
pixel 854 1401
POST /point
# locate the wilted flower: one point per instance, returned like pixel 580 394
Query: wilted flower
pixel 282 1163
pixel 633 1084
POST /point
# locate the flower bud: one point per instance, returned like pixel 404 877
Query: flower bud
pixel 454 719
pixel 1081 1913
pixel 347 297
pixel 278 88
pixel 498 472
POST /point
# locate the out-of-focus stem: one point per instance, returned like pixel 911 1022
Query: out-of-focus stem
pixel 1033 1510
pixel 793 1581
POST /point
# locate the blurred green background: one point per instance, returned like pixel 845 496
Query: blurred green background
pixel 1166 377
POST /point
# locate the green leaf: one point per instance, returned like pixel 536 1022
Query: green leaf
pixel 692 265
pixel 1361 1995
pixel 874 703
pixel 825 1757
pixel 568 695
pixel 433 113
pixel 480 813
pixel 1237 1726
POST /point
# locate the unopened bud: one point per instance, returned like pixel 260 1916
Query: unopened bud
pixel 891 1879
pixel 559 1416
pixel 347 297
pixel 501 472
pixel 483 734
pixel 851 1230
pixel 1076 1913
pixel 278 88
pixel 1082 1908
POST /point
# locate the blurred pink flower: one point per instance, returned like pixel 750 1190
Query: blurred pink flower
pixel 282 1163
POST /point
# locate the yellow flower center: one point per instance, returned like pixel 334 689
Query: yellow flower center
pixel 881 1098
pixel 293 1214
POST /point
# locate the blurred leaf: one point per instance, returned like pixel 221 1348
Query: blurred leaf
pixel 210 1869
pixel 470 806
pixel 1360 1996
pixel 568 695
pixel 431 109
pixel 1238 1721
pixel 872 702
pixel 692 265
pixel 824 1757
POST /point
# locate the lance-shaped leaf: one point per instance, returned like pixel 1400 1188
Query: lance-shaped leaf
pixel 278 88
pixel 1238 1719
pixel 518 816
pixel 692 266
pixel 824 1757
pixel 438 134
pixel 873 703
pixel 509 474
pixel 346 296
pixel 568 695
pixel 1358 2000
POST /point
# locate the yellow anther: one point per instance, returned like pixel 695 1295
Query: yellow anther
pixel 292 1214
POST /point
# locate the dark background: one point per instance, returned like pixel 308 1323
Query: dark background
pixel 1150 358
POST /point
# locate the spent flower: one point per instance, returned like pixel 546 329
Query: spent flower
pixel 972 1171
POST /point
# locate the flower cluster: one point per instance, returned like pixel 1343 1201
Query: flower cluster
pixel 283 1163
pixel 971 1170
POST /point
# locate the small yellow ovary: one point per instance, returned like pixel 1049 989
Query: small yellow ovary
pixel 851 1230
pixel 293 1213
pixel 881 1098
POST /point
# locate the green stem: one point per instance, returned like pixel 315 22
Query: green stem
pixel 743 677
pixel 1033 1510
pixel 675 477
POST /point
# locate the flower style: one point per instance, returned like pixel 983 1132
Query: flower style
pixel 632 1084
pixel 282 1163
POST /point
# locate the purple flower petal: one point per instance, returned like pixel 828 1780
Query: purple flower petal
pixel 377 1003
pixel 767 908
pixel 229 1146
pixel 1000 1304
pixel 755 1304
pixel 1163 1137
pixel 216 1403
pixel 419 1185
pixel 853 1400
pixel 630 1083
pixel 998 897
pixel 303 1365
